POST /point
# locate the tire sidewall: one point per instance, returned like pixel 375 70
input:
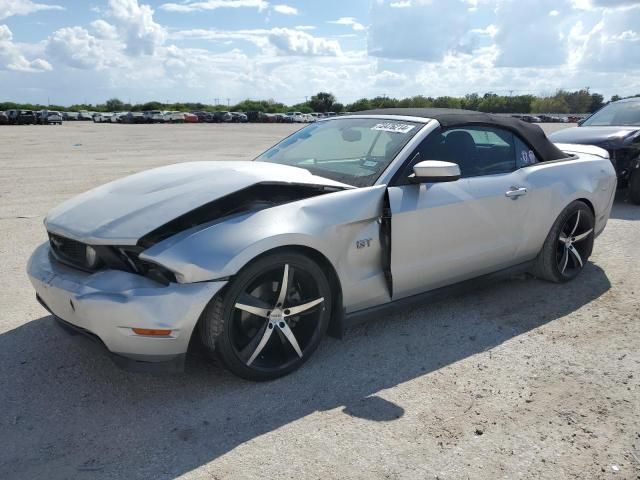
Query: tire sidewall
pixel 634 186
pixel 548 265
pixel 224 346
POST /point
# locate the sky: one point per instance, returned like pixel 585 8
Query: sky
pixel 224 51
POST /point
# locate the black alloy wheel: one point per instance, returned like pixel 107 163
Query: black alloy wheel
pixel 271 318
pixel 568 245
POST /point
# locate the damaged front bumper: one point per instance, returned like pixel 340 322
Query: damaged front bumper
pixel 109 304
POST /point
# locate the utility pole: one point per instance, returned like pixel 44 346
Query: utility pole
pixel 228 102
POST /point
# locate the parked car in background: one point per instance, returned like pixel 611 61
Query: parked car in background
pixel 283 118
pixel 4 119
pixel 173 117
pixel 117 117
pixel 222 117
pixel 297 117
pixel 69 116
pixel 49 117
pixel 85 115
pixel 530 119
pixel 133 117
pixel 190 118
pixel 204 117
pixel 239 117
pixel 103 117
pixel 255 116
pixel 21 117
pixel 154 116
pixel 616 128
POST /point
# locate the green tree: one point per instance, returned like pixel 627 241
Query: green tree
pixel 597 102
pixel 359 105
pixel 555 104
pixel 114 105
pixel 322 102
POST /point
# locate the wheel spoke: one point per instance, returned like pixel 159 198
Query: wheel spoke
pixel 575 227
pixel 286 330
pixel 564 260
pixel 288 312
pixel 264 335
pixel 582 236
pixel 253 305
pixel 562 238
pixel 283 286
pixel 575 253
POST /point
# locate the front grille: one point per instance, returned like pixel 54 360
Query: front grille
pixel 69 251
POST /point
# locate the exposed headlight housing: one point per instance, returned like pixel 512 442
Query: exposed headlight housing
pixel 91 257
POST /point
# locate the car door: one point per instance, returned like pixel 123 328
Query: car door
pixel 442 233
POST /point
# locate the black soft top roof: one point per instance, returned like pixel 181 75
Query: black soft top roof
pixel 532 134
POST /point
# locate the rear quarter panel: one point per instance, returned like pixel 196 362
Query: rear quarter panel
pixel 554 185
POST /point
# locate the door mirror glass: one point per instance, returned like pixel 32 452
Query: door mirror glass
pixel 432 171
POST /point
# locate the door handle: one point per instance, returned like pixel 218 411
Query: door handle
pixel 515 192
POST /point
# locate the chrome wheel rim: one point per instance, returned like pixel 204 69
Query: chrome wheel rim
pixel 573 244
pixel 276 318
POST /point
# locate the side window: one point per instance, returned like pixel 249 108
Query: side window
pixel 477 150
pixel 524 155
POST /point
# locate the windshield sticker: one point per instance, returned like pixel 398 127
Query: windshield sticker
pixel 393 127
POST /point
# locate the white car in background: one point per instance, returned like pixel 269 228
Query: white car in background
pixel 173 117
pixel 103 117
pixel 297 117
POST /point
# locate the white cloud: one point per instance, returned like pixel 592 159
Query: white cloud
pixel 305 27
pixel 423 31
pixel 104 30
pixel 296 42
pixel 9 8
pixel 134 22
pixel 401 4
pixel 77 48
pixel 198 6
pixel 613 44
pixel 285 9
pixel 349 21
pixel 12 58
pixel 275 41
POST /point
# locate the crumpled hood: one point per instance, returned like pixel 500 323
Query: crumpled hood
pixel 605 137
pixel 123 211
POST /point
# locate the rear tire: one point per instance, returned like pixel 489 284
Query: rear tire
pixel 634 187
pixel 258 344
pixel 568 245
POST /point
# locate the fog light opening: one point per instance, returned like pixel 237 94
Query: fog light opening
pixel 151 332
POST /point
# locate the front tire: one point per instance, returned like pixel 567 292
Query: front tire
pixel 634 187
pixel 271 317
pixel 568 245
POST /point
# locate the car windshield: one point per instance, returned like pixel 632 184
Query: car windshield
pixel 616 114
pixel 354 151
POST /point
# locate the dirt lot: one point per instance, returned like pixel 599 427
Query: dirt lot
pixel 522 379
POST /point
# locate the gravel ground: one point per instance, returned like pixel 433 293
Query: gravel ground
pixel 522 379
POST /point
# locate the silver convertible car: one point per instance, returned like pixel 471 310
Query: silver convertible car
pixel 257 261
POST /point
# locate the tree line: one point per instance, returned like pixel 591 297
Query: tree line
pixel 563 101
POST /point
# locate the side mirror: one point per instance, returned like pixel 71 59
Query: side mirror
pixel 432 171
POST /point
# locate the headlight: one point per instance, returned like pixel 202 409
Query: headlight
pixel 91 257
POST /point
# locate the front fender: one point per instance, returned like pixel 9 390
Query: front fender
pixel 330 224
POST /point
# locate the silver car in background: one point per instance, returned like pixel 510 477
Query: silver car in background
pixel 345 217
